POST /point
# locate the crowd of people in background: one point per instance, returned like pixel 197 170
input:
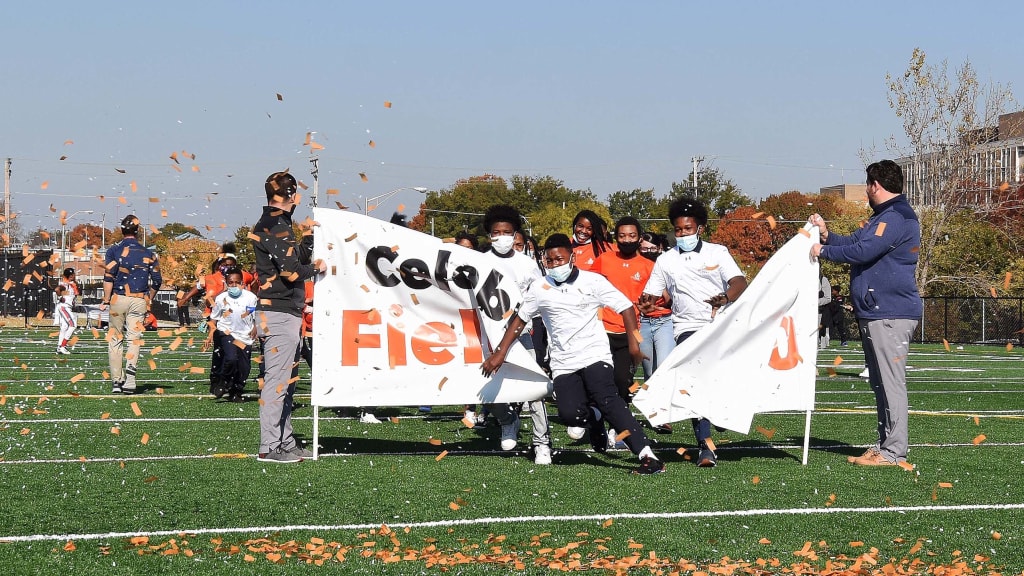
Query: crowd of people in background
pixel 599 304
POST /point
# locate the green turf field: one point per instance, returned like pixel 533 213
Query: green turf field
pixel 83 494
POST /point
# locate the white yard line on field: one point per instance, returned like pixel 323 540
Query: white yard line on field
pixel 516 520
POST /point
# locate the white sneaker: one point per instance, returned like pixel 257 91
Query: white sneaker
pixel 63 350
pixel 368 418
pixel 469 416
pixel 575 432
pixel 509 434
pixel 865 374
pixel 542 455
pixel 614 444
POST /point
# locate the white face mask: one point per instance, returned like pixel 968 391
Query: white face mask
pixel 502 244
pixel 560 273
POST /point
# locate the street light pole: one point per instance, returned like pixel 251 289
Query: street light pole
pixel 386 195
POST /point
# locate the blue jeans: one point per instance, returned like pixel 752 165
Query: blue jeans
pixel 658 341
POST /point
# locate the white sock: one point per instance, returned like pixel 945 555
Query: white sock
pixel 646 452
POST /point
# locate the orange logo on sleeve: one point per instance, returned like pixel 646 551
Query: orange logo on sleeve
pixel 790 357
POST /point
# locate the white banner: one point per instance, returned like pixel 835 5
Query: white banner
pixel 403 319
pixel 758 355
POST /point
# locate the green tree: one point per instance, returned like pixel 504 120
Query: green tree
pixel 640 204
pixel 243 248
pixel 552 217
pixel 717 192
pixel 970 257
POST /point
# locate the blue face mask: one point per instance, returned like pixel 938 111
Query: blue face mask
pixel 234 291
pixel 687 243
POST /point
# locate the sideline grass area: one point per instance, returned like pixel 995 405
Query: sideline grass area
pixel 75 493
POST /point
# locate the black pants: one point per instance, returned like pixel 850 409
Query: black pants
pixel 622 363
pixel 236 365
pixel 183 319
pixel 595 384
pixel 701 426
pixel 217 361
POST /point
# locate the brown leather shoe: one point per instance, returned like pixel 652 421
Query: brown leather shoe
pixel 868 452
pixel 873 459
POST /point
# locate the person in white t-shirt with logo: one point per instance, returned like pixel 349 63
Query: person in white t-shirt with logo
pixel 701 277
pixel 569 299
pixel 501 224
pixel 232 317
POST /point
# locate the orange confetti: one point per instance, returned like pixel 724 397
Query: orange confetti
pixel 979 439
pixel 44 185
pixel 69 547
pixel 838 360
pixel 387 104
pixel 607 523
pixel 25 431
pixel 373 144
pixel 440 456
pixel 755 480
pixel 622 435
pixel 453 506
pixel 145 438
pixel 77 377
pixel 435 441
pixel 1009 346
pixel 135 187
pixel 768 433
pixel 442 382
pixel 764 541
pixel 1006 280
pixel 115 430
pixel 136 409
pixel 362 176
pixel 945 344
pixel 394 420
pixel 992 290
pixel 945 484
pixel 996 536
pixel 771 222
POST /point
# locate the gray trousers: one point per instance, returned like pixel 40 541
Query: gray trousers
pixel 281 337
pixel 127 314
pixel 886 346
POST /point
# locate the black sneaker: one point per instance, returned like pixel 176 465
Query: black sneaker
pixel 650 465
pixel 236 398
pixel 117 388
pixel 598 436
pixel 706 459
pixel 217 390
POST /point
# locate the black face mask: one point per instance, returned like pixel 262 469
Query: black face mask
pixel 652 256
pixel 628 249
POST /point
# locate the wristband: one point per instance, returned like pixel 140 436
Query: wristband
pixel 726 296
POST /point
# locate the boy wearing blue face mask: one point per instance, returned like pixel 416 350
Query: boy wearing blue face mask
pixel 569 300
pixel 232 321
pixel 701 277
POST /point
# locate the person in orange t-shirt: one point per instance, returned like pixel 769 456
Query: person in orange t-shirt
pixel 628 272
pixel 589 238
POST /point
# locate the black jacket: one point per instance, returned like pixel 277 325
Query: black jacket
pixel 282 264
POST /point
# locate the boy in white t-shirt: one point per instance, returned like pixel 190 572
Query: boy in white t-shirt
pixel 569 299
pixel 232 317
pixel 65 318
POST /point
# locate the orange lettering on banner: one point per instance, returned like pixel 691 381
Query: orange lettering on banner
pixel 428 338
pixel 792 357
pixel 428 343
pixel 471 328
pixel 352 340
pixel 396 346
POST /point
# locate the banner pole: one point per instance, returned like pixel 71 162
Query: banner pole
pixel 316 432
pixel 807 436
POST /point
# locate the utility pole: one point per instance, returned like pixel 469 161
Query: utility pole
pixel 315 171
pixel 696 160
pixel 7 198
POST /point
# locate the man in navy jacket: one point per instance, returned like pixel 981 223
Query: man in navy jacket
pixel 883 259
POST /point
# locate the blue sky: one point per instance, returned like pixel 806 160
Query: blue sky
pixel 603 95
